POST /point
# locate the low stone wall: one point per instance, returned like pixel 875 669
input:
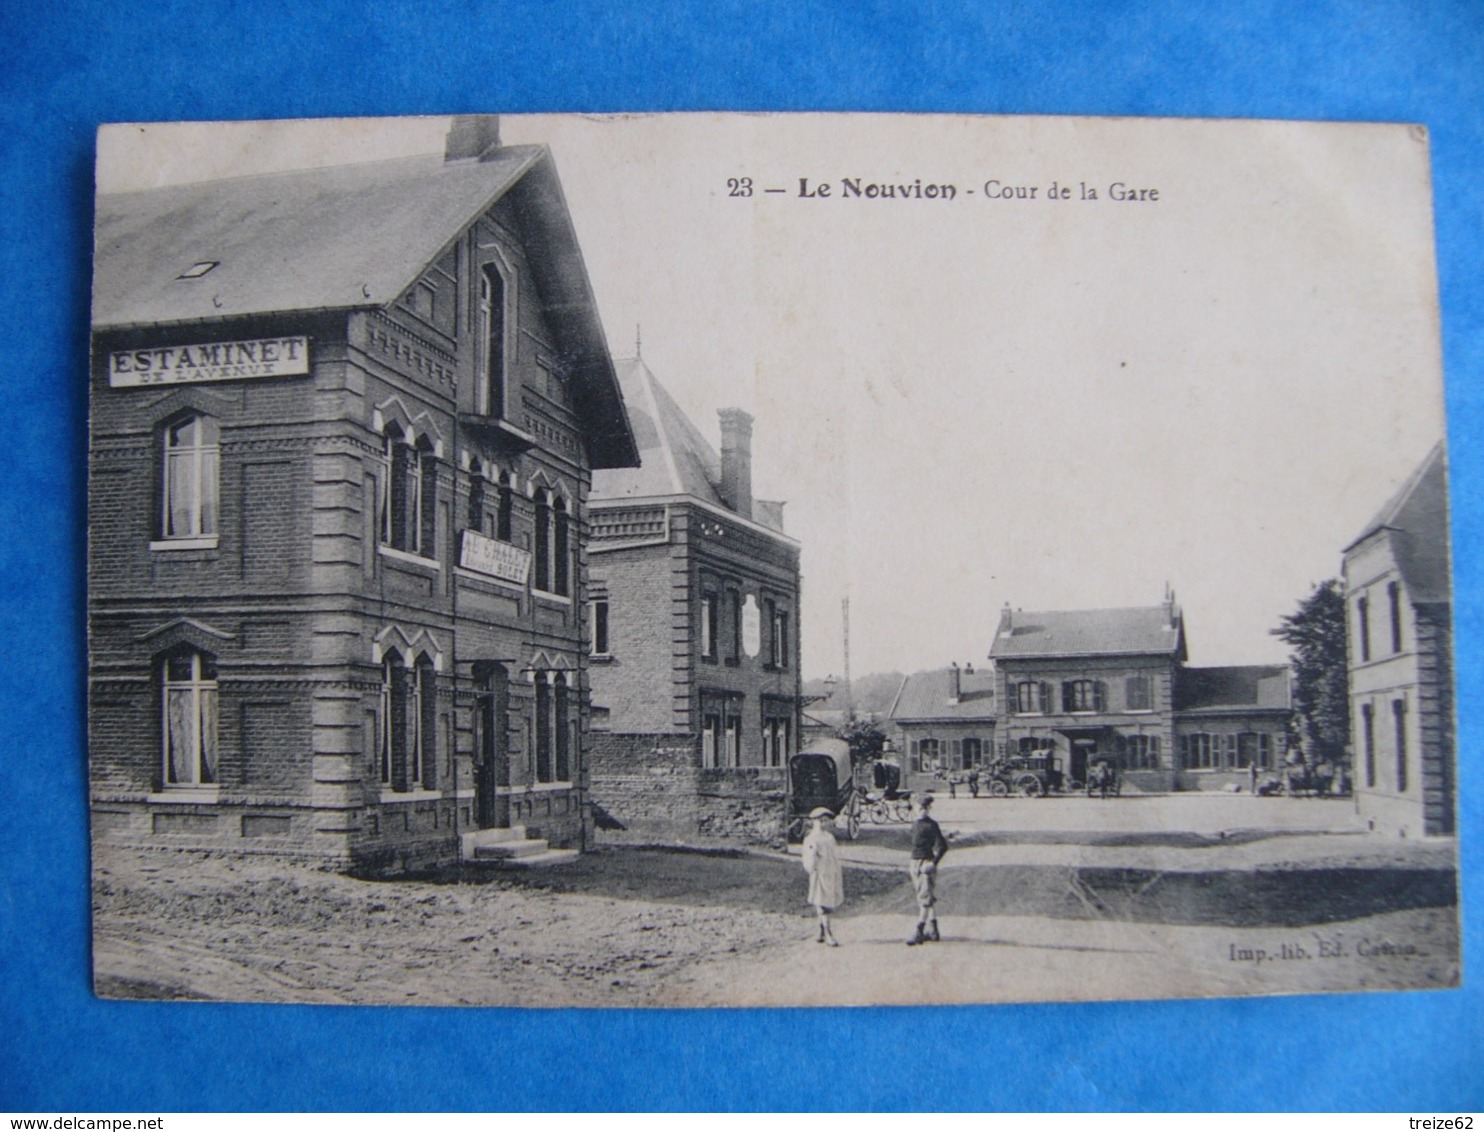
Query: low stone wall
pixel 651 785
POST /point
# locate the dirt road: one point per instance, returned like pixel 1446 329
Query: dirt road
pixel 1048 917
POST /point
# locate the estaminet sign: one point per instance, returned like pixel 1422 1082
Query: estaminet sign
pixel 210 361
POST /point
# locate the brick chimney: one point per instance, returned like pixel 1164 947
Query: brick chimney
pixel 736 460
pixel 955 685
pixel 472 137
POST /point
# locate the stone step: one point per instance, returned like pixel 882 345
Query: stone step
pixel 536 861
pixel 474 838
pixel 509 849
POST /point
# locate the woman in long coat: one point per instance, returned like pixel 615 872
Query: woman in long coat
pixel 826 879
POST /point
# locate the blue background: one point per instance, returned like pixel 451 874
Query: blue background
pixel 69 66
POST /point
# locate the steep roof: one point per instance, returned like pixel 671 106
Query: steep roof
pixel 1417 516
pixel 349 237
pixel 1253 686
pixel 1157 629
pixel 674 457
pixel 927 695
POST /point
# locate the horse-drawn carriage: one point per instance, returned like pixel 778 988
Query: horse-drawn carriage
pixel 1030 776
pixel 822 775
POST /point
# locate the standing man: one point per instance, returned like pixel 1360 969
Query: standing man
pixel 928 847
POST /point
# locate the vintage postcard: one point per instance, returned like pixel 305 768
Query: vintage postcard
pixel 733 560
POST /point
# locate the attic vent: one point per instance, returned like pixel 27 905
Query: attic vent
pixel 195 271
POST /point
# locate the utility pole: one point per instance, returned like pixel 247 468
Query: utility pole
pixel 849 702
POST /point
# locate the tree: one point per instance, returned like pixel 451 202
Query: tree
pixel 1321 693
pixel 866 740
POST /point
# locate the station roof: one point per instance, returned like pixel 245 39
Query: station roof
pixel 929 695
pixel 1142 630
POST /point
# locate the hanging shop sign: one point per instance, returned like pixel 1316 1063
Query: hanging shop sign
pixel 494 558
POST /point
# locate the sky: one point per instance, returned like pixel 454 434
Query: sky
pixel 999 397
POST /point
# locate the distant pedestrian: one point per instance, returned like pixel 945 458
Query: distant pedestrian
pixel 826 879
pixel 1252 777
pixel 974 782
pixel 953 786
pixel 928 847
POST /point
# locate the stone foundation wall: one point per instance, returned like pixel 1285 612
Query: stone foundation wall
pixel 654 787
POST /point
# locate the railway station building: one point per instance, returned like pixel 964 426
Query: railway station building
pixel 1398 599
pixel 344 422
pixel 1081 685
pixel 695 649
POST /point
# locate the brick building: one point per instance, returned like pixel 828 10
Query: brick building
pixel 1399 600
pixel 1113 682
pixel 343 427
pixel 695 599
pixel 944 720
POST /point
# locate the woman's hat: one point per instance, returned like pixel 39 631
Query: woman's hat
pixel 821 812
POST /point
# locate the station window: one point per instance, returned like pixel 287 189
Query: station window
pixel 1083 695
pixel 489 388
pixel 409 494
pixel 1137 694
pixel 599 612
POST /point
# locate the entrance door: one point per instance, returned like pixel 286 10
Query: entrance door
pixel 1083 751
pixel 491 749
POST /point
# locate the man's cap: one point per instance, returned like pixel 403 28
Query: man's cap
pixel 925 800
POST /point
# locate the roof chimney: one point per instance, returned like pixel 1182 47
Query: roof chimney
pixel 472 137
pixel 736 460
pixel 955 686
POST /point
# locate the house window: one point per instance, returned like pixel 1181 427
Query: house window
pixel 1399 720
pixel 734 606
pixel 503 508
pixel 190 479
pixel 409 494
pixel 928 755
pixel 1082 695
pixel 734 741
pixel 562 706
pixel 1363 634
pixel 1251 748
pixel 407 723
pixel 1368 741
pixel 973 753
pixel 1394 596
pixel 1030 697
pixel 489 388
pixel 190 714
pixel 600 627
pixel 708 626
pixel 542 547
pixel 776 737
pixel 560 549
pixel 1032 745
pixel 710 739
pixel 543 729
pixel 1136 694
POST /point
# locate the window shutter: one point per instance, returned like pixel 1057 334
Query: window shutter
pixel 1046 697
pixel 1099 696
pixel 1013 695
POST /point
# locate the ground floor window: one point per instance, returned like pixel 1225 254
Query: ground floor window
pixel 190 714
pixel 925 755
pixel 1139 752
pixel 710 739
pixel 973 753
pixel 1368 740
pixel 777 736
pixel 552 735
pixel 1030 746
pixel 1399 719
pixel 407 723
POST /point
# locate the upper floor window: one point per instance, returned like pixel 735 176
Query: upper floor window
pixel 1394 596
pixel 504 509
pixel 734 642
pixel 190 714
pixel 409 495
pixel 489 385
pixel 1030 697
pixel 708 626
pixel 1368 741
pixel 561 554
pixel 1083 695
pixel 777 636
pixel 190 478
pixel 600 627
pixel 1137 694
pixel 1363 630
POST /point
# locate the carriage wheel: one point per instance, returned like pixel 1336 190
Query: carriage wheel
pixel 999 788
pixel 853 819
pixel 1029 786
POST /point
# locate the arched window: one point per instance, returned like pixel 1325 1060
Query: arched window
pixel 422 763
pixel 407 724
pixel 489 389
pixel 505 508
pixel 189 478
pixel 561 727
pixel 190 713
pixel 409 498
pixel 542 547
pixel 560 550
